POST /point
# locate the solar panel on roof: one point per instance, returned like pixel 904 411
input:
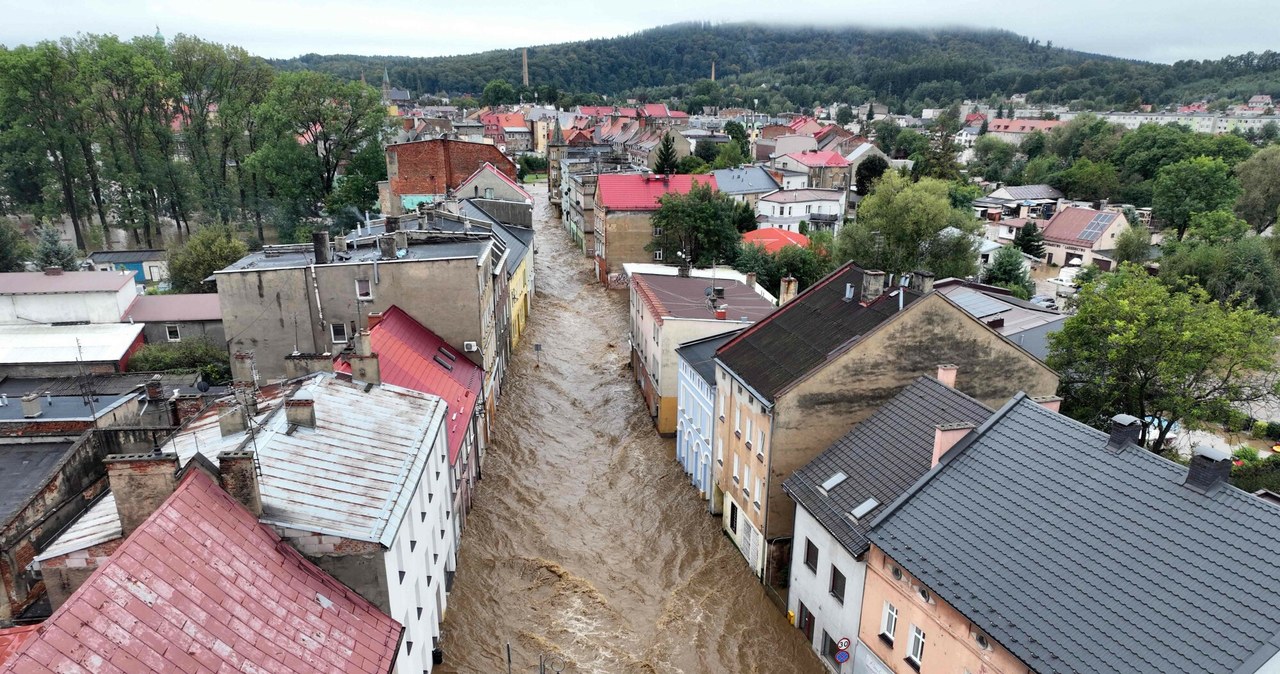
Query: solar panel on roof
pixel 979 305
pixel 1097 226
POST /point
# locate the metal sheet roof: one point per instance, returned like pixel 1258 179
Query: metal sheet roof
pixel 29 283
pixel 99 524
pixel 96 342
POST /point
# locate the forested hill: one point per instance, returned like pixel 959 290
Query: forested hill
pixel 800 66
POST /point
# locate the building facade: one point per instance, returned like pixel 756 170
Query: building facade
pixel 695 401
pixel 625 204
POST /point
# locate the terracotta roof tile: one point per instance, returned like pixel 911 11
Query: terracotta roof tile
pixel 820 158
pixel 773 239
pixel 640 192
pixel 174 597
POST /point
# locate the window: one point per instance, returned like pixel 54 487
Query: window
pixel 888 622
pixel 488 193
pixel 759 491
pixel 915 648
pixel 720 451
pixel 733 517
pixel 722 406
pixel 897 573
pixel 364 289
pixel 735 470
pixel 811 555
pixel 746 478
pixel 760 446
pixel 657 256
pixel 829 646
pixel 657 231
pixel 837 584
pixel 172 332
pixel 737 421
pixel 925 595
pixel 338 332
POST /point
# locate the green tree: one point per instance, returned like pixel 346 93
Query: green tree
pixel 691 165
pixel 706 151
pixel 1259 178
pixel 1240 272
pixel 1030 240
pixel 802 263
pixel 52 252
pixel 868 172
pixel 208 250
pixel 730 156
pixel 666 160
pixel 14 249
pixel 356 190
pixel 498 92
pixel 993 158
pixel 1008 270
pixel 1192 186
pixel 189 355
pixel 1133 244
pixel 904 226
pixel 753 258
pixel 844 116
pixel 1087 180
pixel 697 227
pixel 1041 171
pixel 1138 347
pixel 738 133
pixel 982 130
pixel 1216 227
pixel 1034 145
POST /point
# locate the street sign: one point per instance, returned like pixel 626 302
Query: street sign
pixel 843 644
pixel 842 656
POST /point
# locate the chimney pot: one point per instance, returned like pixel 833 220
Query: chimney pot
pixel 31 406
pixel 921 281
pixel 947 374
pixel 155 388
pixel 140 483
pixel 387 247
pixel 1125 430
pixel 945 436
pixel 1210 467
pixel 300 410
pixel 340 244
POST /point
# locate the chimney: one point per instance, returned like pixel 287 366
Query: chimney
pixel 53 271
pixel 31 406
pixel 872 285
pixel 751 280
pixel 401 238
pixel 187 406
pixel 363 345
pixel 387 247
pixel 340 244
pixel 407 122
pixel 300 410
pixel 364 362
pixel 391 224
pixel 375 317
pixel 945 436
pixel 231 418
pixel 722 313
pixel 683 270
pixel 1210 467
pixel 921 281
pixel 239 473
pixel 242 368
pixel 1051 403
pixel 140 482
pixel 1125 430
pixel 155 388
pixel 790 288
pixel 947 374
pixel 320 243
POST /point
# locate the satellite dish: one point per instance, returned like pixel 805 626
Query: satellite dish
pixel 202 386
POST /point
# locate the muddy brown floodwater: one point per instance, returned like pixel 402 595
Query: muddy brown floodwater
pixel 586 539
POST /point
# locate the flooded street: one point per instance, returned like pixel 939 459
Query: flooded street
pixel 586 540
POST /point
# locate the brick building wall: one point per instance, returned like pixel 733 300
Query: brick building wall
pixel 436 166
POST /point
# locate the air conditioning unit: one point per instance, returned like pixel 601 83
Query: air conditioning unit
pixel 470 346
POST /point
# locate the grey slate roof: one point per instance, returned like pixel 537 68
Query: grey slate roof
pixel 700 354
pixel 744 180
pixel 1033 192
pixel 799 336
pixel 881 457
pixel 1078 560
pixel 127 256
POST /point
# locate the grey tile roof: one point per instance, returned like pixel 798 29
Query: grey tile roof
pixel 700 354
pixel 881 457
pixel 744 180
pixel 796 338
pixel 1079 560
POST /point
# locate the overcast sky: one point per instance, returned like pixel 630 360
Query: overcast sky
pixel 1155 30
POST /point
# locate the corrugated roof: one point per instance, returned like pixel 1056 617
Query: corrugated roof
pixel 175 308
pixel 797 337
pixel 1078 559
pixel 1020 192
pixel 99 524
pixel 202 586
pixel 414 357
pixel 640 191
pixel 32 283
pixel 127 256
pixel 701 354
pixel 881 458
pixel 686 297
pixel 92 343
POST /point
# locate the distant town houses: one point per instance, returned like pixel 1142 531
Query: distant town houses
pixel 624 206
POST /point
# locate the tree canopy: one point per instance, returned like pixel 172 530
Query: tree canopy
pixel 1192 186
pixel 208 250
pixel 697 228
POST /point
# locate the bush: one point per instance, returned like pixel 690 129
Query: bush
pixel 1255 475
pixel 192 355
pixel 1260 429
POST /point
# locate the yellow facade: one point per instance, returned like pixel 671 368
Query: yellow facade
pixel 519 292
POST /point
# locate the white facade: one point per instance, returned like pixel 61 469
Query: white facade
pixel 1201 122
pixel 785 209
pixel 749 540
pixel 93 306
pixel 695 402
pixel 810 596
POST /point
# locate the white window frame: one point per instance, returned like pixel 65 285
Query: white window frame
pixel 888 621
pixel 657 256
pixel 915 647
pixel 759 491
pixel 737 419
pixel 170 329
pixel 736 467
pixel 333 335
pixel 368 286
pixel 720 450
pixel 746 478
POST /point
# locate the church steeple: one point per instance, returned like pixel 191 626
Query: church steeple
pixel 557 134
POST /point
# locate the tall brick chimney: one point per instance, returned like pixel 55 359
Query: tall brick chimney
pixel 187 407
pixel 790 288
pixel 300 410
pixel 140 482
pixel 239 473
pixel 155 388
pixel 364 362
pixel 872 285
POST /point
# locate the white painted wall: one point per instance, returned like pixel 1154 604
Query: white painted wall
pixel 749 540
pixel 86 307
pixel 424 549
pixel 840 620
pixel 695 403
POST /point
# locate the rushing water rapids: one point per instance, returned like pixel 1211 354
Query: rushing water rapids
pixel 586 540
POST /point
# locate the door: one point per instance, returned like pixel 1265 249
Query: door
pixel 733 517
pixel 804 622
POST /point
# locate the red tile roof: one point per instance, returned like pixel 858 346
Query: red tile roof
pixel 798 122
pixel 640 191
pixel 1022 125
pixel 171 308
pixel 12 639
pixel 411 356
pixel 494 170
pixel 773 239
pixel 819 158
pixel 201 586
pixel 1068 225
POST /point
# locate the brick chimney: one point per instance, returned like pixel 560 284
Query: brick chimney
pixel 375 317
pixel 320 246
pixel 239 474
pixel 140 482
pixel 231 418
pixel 242 367
pixel 790 288
pixel 872 285
pixel 187 406
pixel 31 406
pixel 921 281
pixel 387 247
pixel 945 436
pixel 1051 403
pixel 363 361
pixel 1210 468
pixel 1125 430
pixel 53 271
pixel 155 388
pixel 300 410
pixel 947 374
